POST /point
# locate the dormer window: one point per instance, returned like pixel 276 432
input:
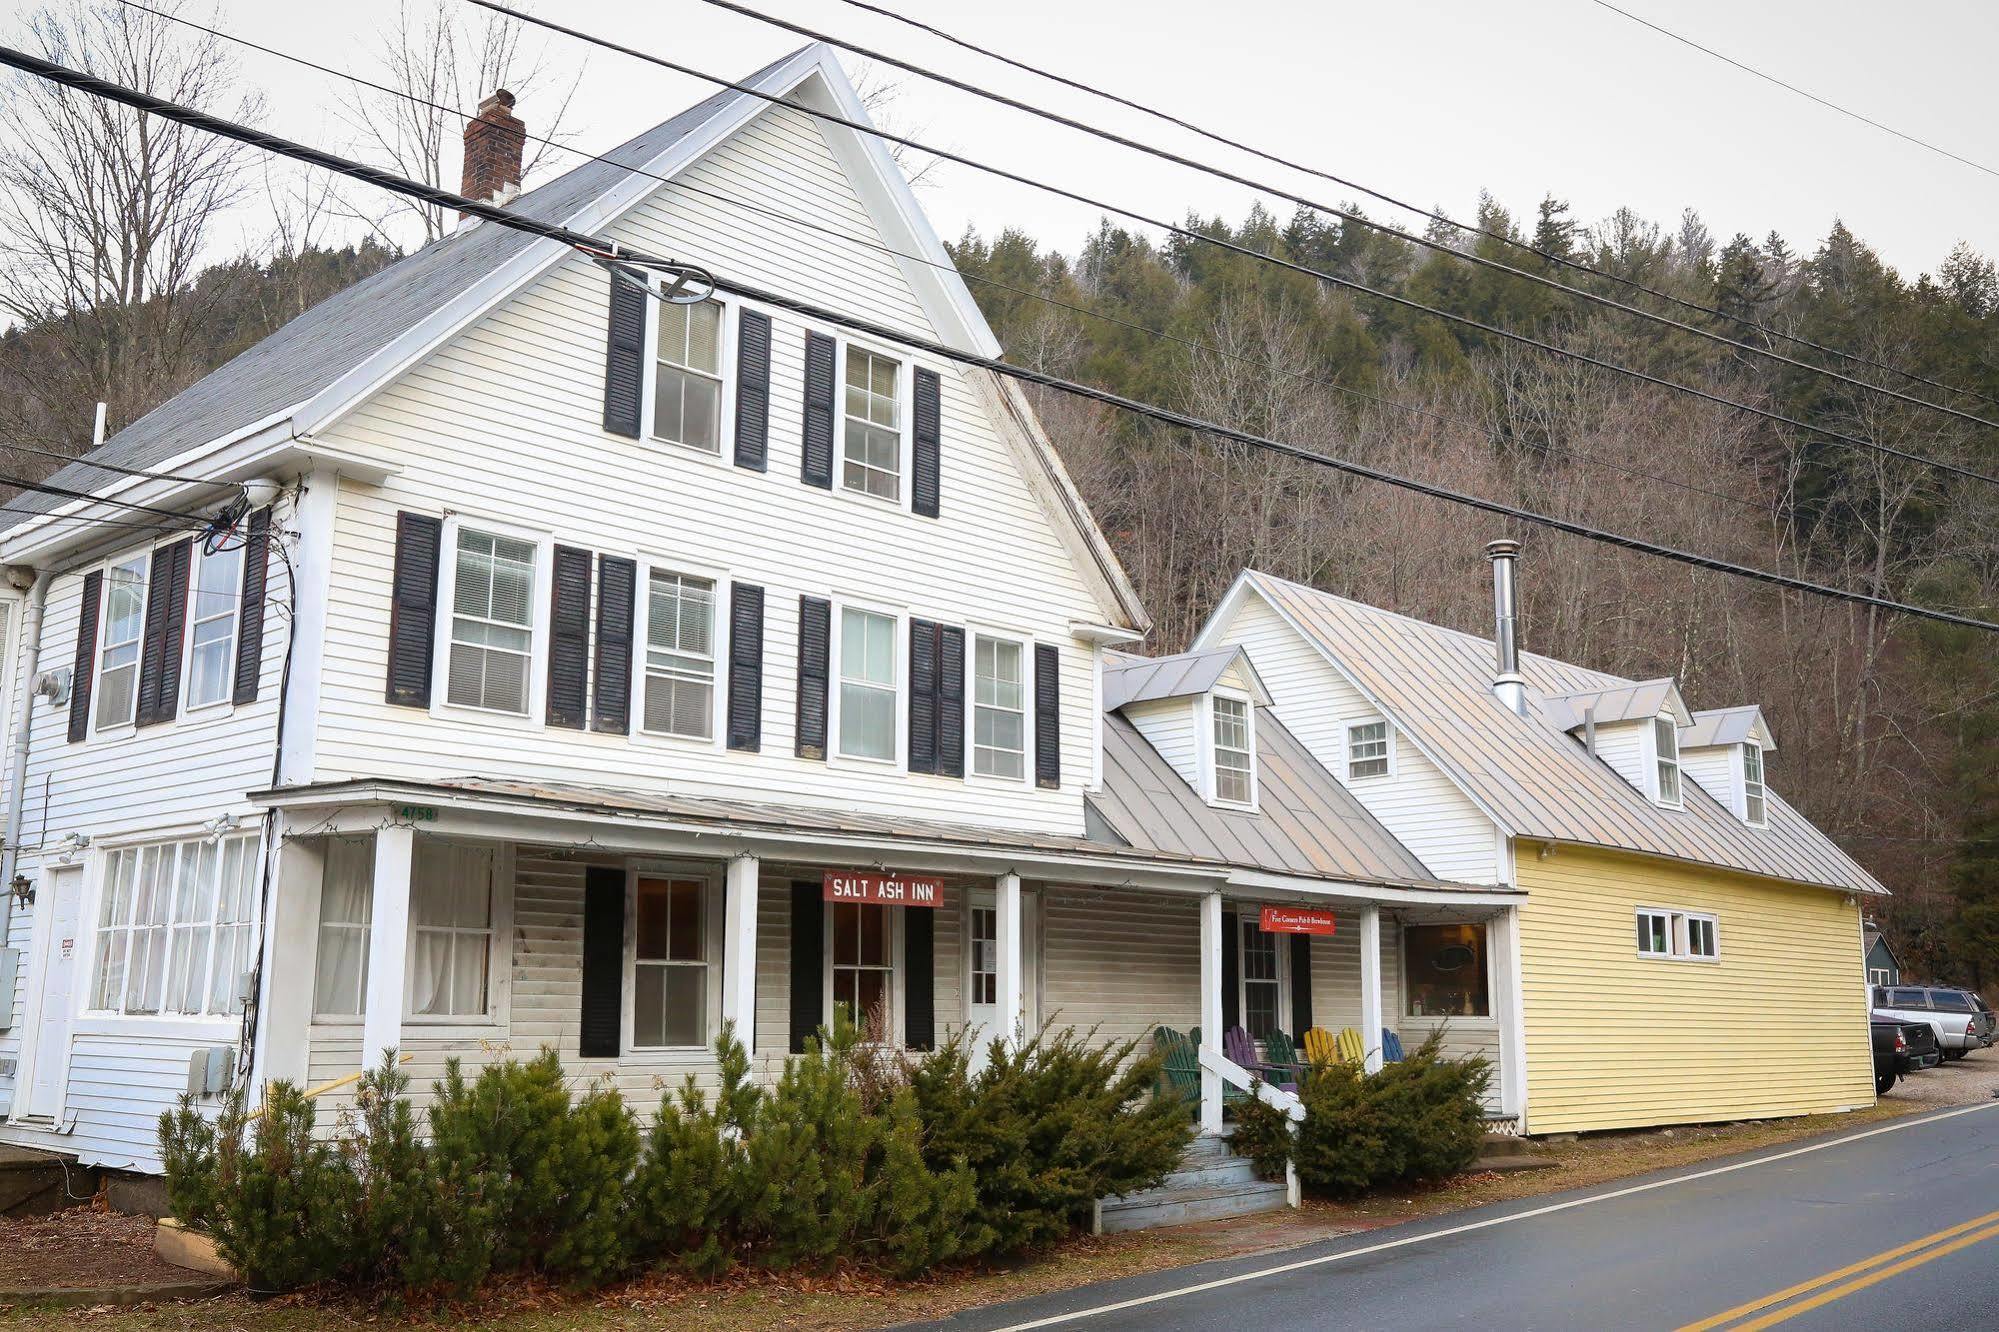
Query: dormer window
pixel 1234 781
pixel 1666 760
pixel 1754 808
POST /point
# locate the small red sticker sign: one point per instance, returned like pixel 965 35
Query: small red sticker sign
pixel 1296 920
pixel 883 889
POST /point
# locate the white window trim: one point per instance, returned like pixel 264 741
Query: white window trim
pixel 1762 786
pixel 1652 760
pixel 499 959
pixel 1205 722
pixel 447 587
pixel 223 706
pixel 1878 976
pixel 199 1026
pixel 725 429
pixel 1347 729
pixel 898 973
pixel 130 724
pixel 905 396
pixel 1676 934
pixel 834 651
pixel 1025 642
pixel 1250 914
pixel 713 941
pixel 718 705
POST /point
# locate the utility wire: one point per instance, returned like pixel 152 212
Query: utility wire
pixel 1794 88
pixel 120 468
pixel 616 256
pixel 1347 214
pixel 1192 344
pixel 66 493
pixel 1472 228
pixel 1185 233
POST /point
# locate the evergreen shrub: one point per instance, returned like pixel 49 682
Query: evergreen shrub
pixel 1421 1118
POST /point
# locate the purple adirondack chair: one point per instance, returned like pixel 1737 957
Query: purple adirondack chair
pixel 1239 1049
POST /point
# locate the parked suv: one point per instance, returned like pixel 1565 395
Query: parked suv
pixel 1960 1018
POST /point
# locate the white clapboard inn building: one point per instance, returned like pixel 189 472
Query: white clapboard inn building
pixel 567 667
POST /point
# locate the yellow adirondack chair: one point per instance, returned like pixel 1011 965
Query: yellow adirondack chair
pixel 1320 1048
pixel 1352 1049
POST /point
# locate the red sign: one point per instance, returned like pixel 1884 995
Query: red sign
pixel 1296 920
pixel 883 889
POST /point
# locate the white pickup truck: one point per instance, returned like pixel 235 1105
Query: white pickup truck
pixel 1961 1020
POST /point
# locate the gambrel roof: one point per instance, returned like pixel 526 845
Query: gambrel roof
pixel 334 356
pixel 1527 773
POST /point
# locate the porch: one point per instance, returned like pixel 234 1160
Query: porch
pixel 467 929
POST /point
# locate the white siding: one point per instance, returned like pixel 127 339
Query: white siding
pixel 503 423
pixel 1169 725
pixel 1718 769
pixel 1623 747
pixel 1121 962
pixel 1417 802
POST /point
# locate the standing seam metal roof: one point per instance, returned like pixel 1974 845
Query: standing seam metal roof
pixel 1526 772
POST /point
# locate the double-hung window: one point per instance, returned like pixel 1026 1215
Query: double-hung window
pixel 687 375
pixel 999 709
pixel 346 906
pixel 1367 750
pixel 864 966
pixel 174 927
pixel 867 684
pixel 871 450
pixel 118 648
pixel 1754 805
pixel 680 656
pixel 1233 782
pixel 670 962
pixel 1666 755
pixel 451 931
pixel 1260 982
pixel 984 956
pixel 1690 935
pixel 212 619
pixel 492 622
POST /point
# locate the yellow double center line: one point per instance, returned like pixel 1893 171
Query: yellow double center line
pixel 1854 1277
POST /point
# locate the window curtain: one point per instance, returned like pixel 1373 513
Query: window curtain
pixel 346 905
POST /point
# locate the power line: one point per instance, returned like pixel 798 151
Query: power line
pixel 120 468
pixel 1472 228
pixel 1794 88
pixel 66 493
pixel 1823 432
pixel 1359 219
pixel 620 257
pixel 1192 344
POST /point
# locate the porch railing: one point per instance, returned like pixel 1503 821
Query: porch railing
pixel 1236 1075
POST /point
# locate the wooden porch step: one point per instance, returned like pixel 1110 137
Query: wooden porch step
pixel 1178 1206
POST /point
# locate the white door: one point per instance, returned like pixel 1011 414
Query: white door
pixel 982 978
pixel 60 947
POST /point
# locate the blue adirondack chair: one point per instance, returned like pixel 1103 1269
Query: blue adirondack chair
pixel 1391 1047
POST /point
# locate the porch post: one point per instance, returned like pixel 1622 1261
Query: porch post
pixel 1503 942
pixel 1007 955
pixel 1211 1011
pixel 388 944
pixel 1370 985
pixel 289 964
pixel 739 950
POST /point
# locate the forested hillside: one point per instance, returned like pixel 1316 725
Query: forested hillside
pixel 1887 728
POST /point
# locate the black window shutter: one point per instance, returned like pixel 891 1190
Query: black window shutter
pixel 624 357
pixel 84 668
pixel 617 593
pixel 808 959
pixel 602 1032
pixel 815 633
pixel 250 625
pixel 951 702
pixel 160 649
pixel 413 608
pixel 752 390
pixel 923 695
pixel 1301 984
pixel 919 970
pixel 1047 717
pixel 746 667
pixel 927 426
pixel 817 467
pixel 569 639
pixel 1231 970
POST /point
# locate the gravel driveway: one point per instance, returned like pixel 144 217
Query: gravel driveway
pixel 1953 1082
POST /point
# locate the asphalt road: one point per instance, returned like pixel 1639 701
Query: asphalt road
pixel 1892 1227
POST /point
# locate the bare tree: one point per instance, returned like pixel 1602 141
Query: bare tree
pixel 440 63
pixel 881 94
pixel 105 215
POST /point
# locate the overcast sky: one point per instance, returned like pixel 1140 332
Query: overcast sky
pixel 1430 101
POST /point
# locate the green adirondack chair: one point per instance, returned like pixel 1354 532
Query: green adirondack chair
pixel 1280 1053
pixel 1180 1075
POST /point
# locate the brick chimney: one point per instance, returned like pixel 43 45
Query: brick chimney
pixel 493 140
